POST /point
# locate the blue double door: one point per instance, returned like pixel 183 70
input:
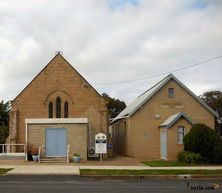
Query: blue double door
pixel 56 142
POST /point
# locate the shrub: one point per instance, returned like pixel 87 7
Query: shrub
pixel 218 153
pixel 205 141
pixel 190 157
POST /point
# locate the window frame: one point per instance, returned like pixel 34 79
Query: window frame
pixel 50 109
pixel 58 107
pixel 66 109
pixel 171 92
pixel 180 131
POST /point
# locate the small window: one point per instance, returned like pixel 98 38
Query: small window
pixel 181 133
pixel 58 107
pixel 66 110
pixel 50 110
pixel 170 92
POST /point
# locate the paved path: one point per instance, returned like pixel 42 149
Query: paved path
pixel 44 170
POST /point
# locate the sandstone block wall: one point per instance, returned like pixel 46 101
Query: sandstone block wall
pixel 59 79
pixel 141 137
pixel 76 137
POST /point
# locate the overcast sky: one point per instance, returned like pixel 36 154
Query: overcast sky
pixel 111 41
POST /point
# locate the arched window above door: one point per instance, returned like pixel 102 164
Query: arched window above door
pixel 58 107
pixel 66 110
pixel 50 110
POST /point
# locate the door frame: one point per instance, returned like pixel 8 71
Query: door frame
pixel 46 142
pixel 163 131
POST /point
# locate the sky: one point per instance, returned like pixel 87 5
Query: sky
pixel 111 41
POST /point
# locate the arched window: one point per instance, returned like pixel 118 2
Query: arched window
pixel 50 110
pixel 66 110
pixel 58 107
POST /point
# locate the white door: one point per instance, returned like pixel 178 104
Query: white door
pixel 163 144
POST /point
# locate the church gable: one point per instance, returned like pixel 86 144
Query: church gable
pixel 174 96
pixel 151 93
pixel 59 79
pixel 61 104
pixel 58 70
pixel 170 99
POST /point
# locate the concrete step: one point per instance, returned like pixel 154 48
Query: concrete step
pixel 53 159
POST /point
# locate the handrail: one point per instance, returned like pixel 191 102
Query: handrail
pixel 39 154
pixel 67 153
pixel 6 148
pixel 12 144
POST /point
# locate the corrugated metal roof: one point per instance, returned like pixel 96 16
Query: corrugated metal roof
pixel 143 98
pixel 174 118
pixel 140 100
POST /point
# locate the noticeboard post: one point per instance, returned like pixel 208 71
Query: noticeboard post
pixel 100 144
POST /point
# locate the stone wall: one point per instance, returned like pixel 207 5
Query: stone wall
pixel 140 137
pixel 76 136
pixel 60 79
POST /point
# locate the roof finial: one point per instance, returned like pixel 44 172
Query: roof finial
pixel 58 52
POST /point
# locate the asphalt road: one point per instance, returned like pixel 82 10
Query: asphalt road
pixel 72 184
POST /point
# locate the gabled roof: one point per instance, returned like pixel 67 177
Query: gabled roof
pixel 171 120
pixel 143 98
pixel 54 58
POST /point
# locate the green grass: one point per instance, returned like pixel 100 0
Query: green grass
pixel 147 172
pixel 163 163
pixel 4 171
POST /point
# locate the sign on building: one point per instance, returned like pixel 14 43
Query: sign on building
pixel 101 143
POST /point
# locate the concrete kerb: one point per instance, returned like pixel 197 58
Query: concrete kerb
pixel 151 168
pixel 136 177
pixel 153 177
pixel 115 167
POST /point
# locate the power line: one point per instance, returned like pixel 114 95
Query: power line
pixel 163 73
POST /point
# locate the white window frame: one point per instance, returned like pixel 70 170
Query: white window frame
pixel 180 134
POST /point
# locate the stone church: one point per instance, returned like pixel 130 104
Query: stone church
pixel 57 109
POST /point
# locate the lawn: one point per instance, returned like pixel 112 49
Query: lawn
pixel 147 172
pixel 4 171
pixel 162 163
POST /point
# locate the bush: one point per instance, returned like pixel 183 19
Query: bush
pixel 218 153
pixel 190 157
pixel 205 141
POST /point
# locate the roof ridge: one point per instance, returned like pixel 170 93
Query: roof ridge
pixel 169 75
pixel 27 85
pixel 58 54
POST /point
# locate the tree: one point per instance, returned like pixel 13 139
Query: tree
pixel 214 100
pixel 4 120
pixel 114 106
pixel 205 141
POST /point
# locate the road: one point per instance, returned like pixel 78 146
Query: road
pixel 74 184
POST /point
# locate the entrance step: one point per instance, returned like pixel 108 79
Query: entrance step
pixel 53 160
